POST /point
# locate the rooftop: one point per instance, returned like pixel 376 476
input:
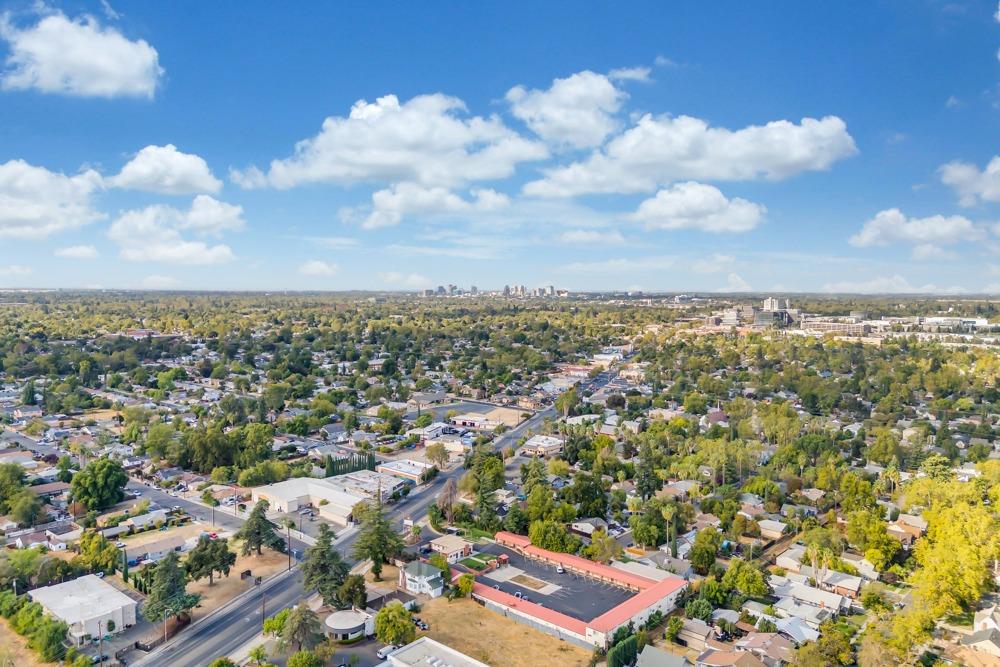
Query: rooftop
pixel 80 599
pixel 426 651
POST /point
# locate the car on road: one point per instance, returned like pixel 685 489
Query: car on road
pixel 175 508
pixel 560 569
pixel 120 544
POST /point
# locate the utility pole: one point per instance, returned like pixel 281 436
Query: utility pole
pixel 100 643
pixel 288 542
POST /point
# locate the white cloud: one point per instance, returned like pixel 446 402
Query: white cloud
pixel 577 111
pixel 154 233
pixel 929 251
pixel 716 263
pixel 894 284
pixel 661 149
pixel 424 141
pixel 77 57
pixel 623 265
pixel 698 206
pixel 36 202
pixel 166 170
pixel 334 242
pixel 663 61
pixel 78 252
pixel 211 216
pixel 892 226
pixel 971 184
pixel 14 270
pixel 592 236
pixel 159 282
pixel 391 205
pixel 409 280
pixel 953 102
pixel 734 283
pixel 629 74
pixel 317 268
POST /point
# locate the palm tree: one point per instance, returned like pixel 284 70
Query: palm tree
pixel 259 655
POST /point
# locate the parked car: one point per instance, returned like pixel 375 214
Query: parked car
pixel 384 652
pixel 560 569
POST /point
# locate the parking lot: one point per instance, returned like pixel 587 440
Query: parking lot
pixel 580 597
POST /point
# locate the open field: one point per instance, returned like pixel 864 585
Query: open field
pixel 472 629
pixel 226 588
pixel 14 649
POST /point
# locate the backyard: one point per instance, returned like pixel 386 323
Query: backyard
pixel 478 562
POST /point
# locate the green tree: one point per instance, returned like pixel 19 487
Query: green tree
pixel 100 484
pixel 394 624
pixel 258 654
pixel 324 570
pixel 258 532
pixel 745 578
pixel 305 659
pixel 706 546
pixel 25 508
pixel 222 662
pixel 674 627
pixel 208 557
pixel 466 583
pixel 437 454
pixel 377 540
pixel 567 401
pixel 353 592
pixel 168 594
pixel 602 547
pixel 302 628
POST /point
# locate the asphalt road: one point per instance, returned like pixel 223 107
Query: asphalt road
pixel 224 631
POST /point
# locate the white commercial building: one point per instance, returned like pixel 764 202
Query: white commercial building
pixel 542 445
pixel 426 651
pixel 88 605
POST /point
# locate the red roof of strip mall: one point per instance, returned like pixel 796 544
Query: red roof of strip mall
pixel 600 570
pixel 531 609
pixel 624 612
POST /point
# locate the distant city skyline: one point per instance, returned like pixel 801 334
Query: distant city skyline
pixel 777 148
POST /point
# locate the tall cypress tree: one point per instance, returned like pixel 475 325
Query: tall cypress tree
pixel 323 568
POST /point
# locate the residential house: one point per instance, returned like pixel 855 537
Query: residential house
pixel 452 547
pixel 419 578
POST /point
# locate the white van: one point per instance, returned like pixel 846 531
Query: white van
pixel 384 652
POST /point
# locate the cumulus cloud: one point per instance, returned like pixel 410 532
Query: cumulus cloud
pixel 36 202
pixel 972 184
pixel 427 141
pixel 577 111
pixel 895 284
pixel 892 226
pixel 592 236
pixel 318 268
pixel 929 251
pixel 77 57
pixel 698 206
pixel 408 280
pixel 623 265
pixel 391 205
pixel 155 233
pixel 659 150
pixel 78 252
pixel 166 170
pixel 629 74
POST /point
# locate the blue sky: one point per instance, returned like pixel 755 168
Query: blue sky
pixel 779 146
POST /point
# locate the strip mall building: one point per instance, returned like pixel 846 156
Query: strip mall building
pixel 650 596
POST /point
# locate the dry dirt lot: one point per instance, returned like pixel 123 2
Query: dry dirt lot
pixel 472 629
pixel 390 575
pixel 188 530
pixel 226 588
pixel 14 649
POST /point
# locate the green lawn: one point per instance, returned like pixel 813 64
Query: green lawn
pixel 478 561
